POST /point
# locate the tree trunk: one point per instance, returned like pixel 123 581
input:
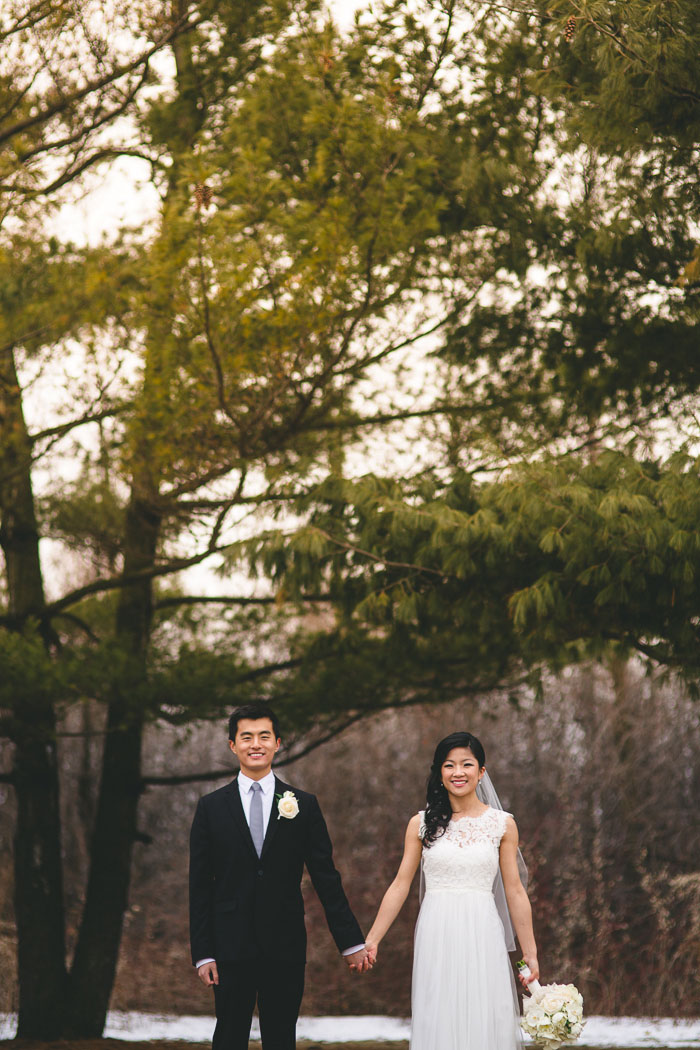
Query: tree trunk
pixel 39 884
pixel 97 951
pixel 107 897
pixel 96 956
pixel 52 1003
pixel 634 909
pixel 37 847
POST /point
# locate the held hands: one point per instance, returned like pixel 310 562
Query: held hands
pixel 359 962
pixel 208 973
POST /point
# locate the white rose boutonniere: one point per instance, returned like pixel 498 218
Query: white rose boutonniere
pixel 287 807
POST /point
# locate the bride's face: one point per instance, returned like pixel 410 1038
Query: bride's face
pixel 460 772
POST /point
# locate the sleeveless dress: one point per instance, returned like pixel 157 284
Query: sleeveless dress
pixel 463 994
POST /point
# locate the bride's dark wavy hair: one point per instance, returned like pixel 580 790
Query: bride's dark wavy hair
pixel 438 811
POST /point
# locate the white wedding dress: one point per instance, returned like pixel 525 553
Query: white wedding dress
pixel 463 994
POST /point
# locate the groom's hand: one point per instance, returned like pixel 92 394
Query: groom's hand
pixel 359 962
pixel 208 973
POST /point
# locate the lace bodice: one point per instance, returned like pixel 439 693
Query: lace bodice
pixel 465 857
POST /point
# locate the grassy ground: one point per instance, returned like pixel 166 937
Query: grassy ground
pixel 166 1044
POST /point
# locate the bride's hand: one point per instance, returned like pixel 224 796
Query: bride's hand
pixel 371 951
pixel 534 974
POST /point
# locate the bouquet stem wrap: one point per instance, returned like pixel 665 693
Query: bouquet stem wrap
pixel 525 971
pixel 553 1013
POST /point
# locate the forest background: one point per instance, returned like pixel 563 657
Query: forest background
pixel 455 243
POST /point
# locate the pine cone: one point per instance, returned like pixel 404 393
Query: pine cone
pixel 570 28
pixel 202 195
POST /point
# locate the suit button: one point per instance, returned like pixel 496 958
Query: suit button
pixel 260 871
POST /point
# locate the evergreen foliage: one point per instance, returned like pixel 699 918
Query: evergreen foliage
pixel 561 561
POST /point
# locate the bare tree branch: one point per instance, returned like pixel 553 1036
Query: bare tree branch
pixel 186 778
pixel 33 17
pixel 79 622
pixel 174 602
pixel 61 429
pixel 265 497
pixel 442 51
pixel 356 422
pixel 192 484
pixel 344 545
pixel 206 318
pixel 182 25
pixel 72 172
pixel 308 746
pixel 20 96
pixel 189 778
pixel 93 125
pixel 103 585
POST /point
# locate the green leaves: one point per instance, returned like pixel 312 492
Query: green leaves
pixel 327 195
pixel 556 562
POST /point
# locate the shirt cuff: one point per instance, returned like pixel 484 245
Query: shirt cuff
pixel 351 951
pixel 202 962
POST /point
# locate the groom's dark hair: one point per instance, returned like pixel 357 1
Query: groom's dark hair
pixel 256 710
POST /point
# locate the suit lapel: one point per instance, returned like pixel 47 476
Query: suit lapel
pixel 233 798
pixel 272 824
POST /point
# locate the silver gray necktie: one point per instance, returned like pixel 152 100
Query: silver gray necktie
pixel 256 818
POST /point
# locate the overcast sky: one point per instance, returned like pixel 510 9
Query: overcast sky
pixel 122 194
pixel 116 196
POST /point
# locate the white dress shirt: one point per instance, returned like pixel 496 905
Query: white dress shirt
pixel 267 784
pixel 245 786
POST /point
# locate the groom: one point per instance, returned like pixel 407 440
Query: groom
pixel 249 843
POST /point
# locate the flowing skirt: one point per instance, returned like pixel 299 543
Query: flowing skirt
pixel 463 995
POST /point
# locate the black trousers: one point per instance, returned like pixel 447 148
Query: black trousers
pixel 278 987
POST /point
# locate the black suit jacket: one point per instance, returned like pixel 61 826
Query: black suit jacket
pixel 242 904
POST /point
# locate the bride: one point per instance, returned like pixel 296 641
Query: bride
pixel 463 993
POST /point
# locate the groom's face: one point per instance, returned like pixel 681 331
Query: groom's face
pixel 255 746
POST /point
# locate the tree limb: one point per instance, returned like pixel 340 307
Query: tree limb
pixel 61 429
pixel 265 497
pixel 101 586
pixel 294 756
pixel 353 423
pixel 79 622
pixel 353 548
pixel 166 603
pixel 186 778
pixel 72 173
pixel 30 19
pixel 96 122
pixel 442 51
pixel 189 778
pixel 182 25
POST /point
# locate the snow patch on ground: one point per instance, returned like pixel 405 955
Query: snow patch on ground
pixel 602 1032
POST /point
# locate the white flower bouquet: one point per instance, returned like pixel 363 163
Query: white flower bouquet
pixel 553 1014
